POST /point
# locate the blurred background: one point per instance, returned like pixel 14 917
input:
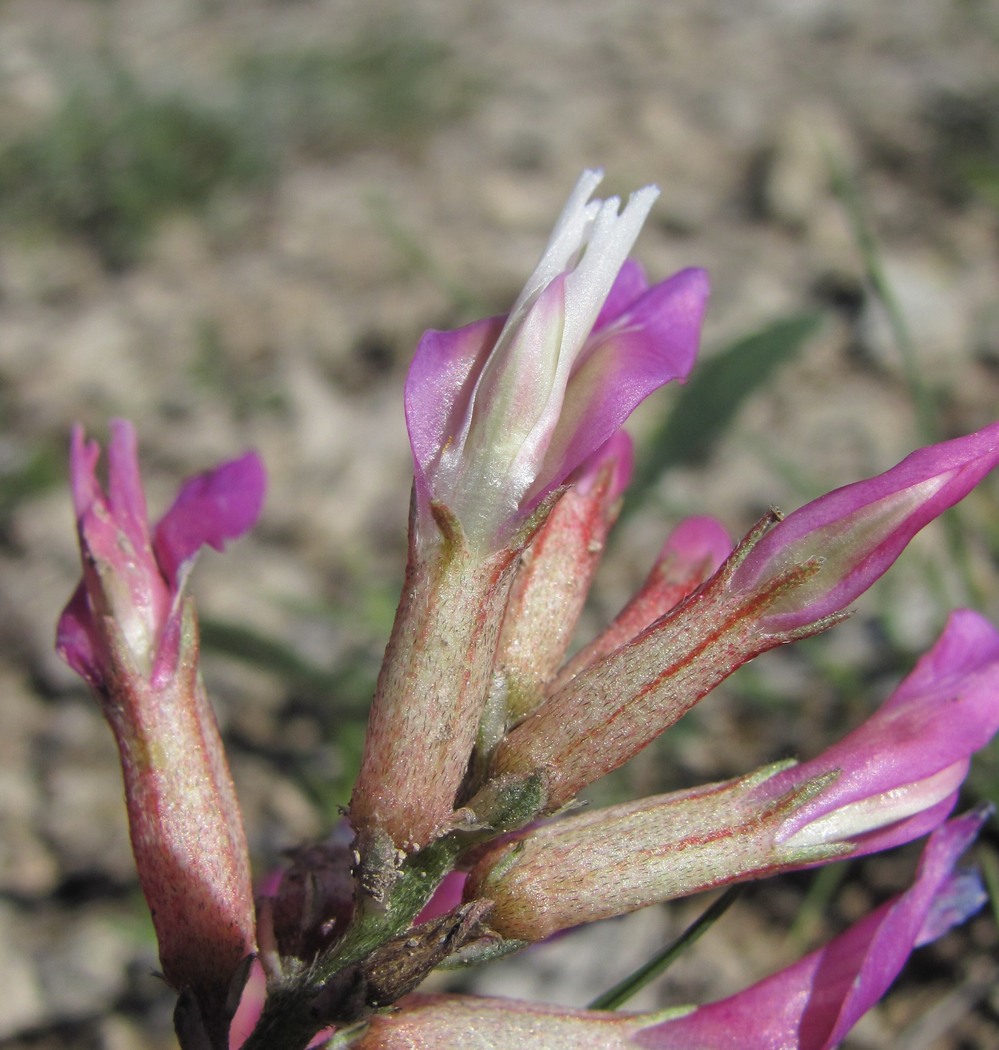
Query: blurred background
pixel 231 221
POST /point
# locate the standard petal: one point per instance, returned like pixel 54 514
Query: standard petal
pixel 126 496
pixel 439 389
pixel 76 640
pixel 211 508
pixel 653 342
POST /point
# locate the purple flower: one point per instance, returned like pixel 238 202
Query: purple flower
pixel 892 780
pixel 897 775
pixel 811 1005
pixel 788 579
pixel 502 411
pixel 132 635
pixel 852 535
pixel 501 415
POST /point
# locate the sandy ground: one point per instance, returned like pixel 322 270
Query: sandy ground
pixel 282 314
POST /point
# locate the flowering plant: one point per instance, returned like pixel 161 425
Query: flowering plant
pixel 483 730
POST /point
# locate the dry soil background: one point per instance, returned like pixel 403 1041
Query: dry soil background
pixel 379 169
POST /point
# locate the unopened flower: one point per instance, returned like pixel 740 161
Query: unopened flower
pixel 853 534
pixel 811 1005
pixel 132 635
pixel 891 780
pixel 788 579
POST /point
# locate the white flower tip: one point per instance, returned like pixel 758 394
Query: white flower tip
pixel 643 199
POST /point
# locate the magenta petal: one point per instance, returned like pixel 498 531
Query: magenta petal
pixel 654 341
pixel 862 528
pixel 698 541
pixel 961 897
pixel 945 710
pixel 210 508
pixel 629 286
pixel 83 458
pixel 76 641
pixel 814 1003
pixel 113 529
pixel 126 497
pixel 618 453
pixel 439 387
pixel 447 897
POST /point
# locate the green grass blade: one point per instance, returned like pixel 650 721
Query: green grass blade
pixel 659 963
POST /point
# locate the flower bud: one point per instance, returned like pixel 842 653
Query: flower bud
pixel 554 577
pixel 813 1004
pixel 855 533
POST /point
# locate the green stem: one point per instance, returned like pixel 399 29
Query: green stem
pixel 294 1013
pixel 291 1017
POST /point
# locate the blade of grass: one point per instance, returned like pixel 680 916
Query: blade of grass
pixel 989 862
pixel 659 963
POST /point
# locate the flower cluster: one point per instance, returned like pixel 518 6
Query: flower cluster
pixel 484 729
